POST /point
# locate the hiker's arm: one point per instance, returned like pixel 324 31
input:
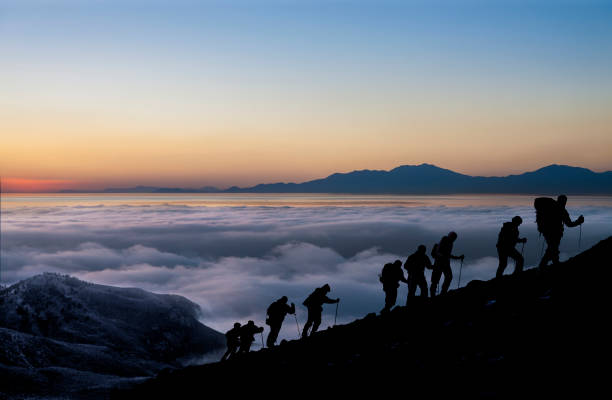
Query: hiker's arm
pixel 569 223
pixel 330 301
pixel 292 309
pixel 428 263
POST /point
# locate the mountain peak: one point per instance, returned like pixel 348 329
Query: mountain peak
pixel 563 168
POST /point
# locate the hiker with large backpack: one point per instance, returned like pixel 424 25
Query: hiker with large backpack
pixel 551 216
pixel 390 277
pixel 506 240
pixel 247 336
pixel 314 303
pixel 442 253
pixel 276 315
pixel 233 341
pixel 415 266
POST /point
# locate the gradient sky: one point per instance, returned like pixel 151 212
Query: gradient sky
pixel 183 93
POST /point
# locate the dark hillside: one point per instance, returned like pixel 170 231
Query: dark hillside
pixel 60 336
pixel 535 335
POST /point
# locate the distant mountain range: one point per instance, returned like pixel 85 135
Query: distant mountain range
pixel 424 179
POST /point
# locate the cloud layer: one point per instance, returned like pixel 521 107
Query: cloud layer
pixel 234 261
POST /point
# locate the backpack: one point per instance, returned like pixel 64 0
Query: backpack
pixel 434 251
pixel 410 264
pixel 310 298
pixel 270 312
pixel 547 213
pixel 386 273
pixel 505 234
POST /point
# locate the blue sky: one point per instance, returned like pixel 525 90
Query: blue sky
pixel 241 92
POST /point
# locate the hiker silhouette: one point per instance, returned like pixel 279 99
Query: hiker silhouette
pixel 390 277
pixel 314 303
pixel 506 240
pixel 415 267
pixel 551 216
pixel 442 253
pixel 276 315
pixel 233 341
pixel 247 336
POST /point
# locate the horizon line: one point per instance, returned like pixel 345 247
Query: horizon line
pixel 223 189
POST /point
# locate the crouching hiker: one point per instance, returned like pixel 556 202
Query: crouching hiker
pixel 415 267
pixel 233 341
pixel 551 216
pixel 390 277
pixel 276 315
pixel 247 336
pixel 314 302
pixel 442 252
pixel 507 239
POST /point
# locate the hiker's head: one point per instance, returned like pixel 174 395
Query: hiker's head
pixel 422 249
pixel 562 200
pixel 237 325
pixel 284 299
pixel 250 322
pixel 326 288
pixel 517 220
pixel 398 263
pixel 452 236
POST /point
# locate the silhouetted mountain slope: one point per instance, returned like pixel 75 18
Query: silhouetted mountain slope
pixel 56 329
pixel 429 179
pixel 421 179
pixel 538 334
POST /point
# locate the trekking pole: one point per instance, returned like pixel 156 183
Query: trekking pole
pixel 297 324
pixel 262 344
pixel 523 248
pixel 336 317
pixel 460 268
pixel 580 237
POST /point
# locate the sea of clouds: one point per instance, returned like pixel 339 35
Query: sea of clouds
pixel 234 261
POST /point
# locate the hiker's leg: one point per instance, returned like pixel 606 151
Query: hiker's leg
pixel 274 330
pixel 229 351
pixel 519 261
pixel 552 248
pixel 316 322
pixel 412 285
pixel 422 282
pixel 435 278
pixel 386 307
pixel 244 347
pixel 555 241
pixel 503 262
pixel 392 298
pixel 308 323
pixel 448 277
pixel 234 352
